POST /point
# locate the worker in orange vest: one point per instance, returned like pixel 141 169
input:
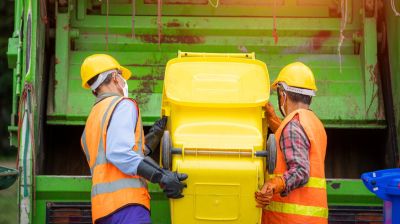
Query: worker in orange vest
pixel 296 191
pixel 115 148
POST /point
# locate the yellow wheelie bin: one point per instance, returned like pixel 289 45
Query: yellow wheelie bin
pixel 216 134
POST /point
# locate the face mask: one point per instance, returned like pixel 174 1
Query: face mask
pixel 282 107
pixel 125 89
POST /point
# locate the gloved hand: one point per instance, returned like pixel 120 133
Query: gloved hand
pixel 170 182
pixel 155 134
pixel 273 186
pixel 273 120
pixel 264 197
pixel 172 185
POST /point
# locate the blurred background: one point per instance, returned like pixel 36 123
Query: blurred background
pixel 8 197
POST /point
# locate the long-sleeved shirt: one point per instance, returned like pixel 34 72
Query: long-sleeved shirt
pixel 295 147
pixel 121 138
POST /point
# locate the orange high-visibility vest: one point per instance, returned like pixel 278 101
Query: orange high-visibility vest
pixel 111 188
pixel 307 204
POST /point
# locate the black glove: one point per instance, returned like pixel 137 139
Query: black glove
pixel 172 185
pixel 154 135
pixel 170 181
pixel 150 170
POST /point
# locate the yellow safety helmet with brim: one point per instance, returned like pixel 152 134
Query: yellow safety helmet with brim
pixel 296 77
pixel 99 63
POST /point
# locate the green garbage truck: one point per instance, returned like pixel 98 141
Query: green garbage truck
pixel 351 45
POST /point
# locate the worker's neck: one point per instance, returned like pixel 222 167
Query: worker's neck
pixel 108 89
pixel 295 106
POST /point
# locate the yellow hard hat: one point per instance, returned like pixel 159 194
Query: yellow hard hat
pixel 98 63
pixel 297 75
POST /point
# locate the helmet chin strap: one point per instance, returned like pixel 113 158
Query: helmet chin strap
pixel 282 107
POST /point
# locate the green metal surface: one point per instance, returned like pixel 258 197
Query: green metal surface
pixel 77 189
pixel 14 54
pixel 393 37
pixel 26 57
pixel 348 94
pixel 350 192
pixel 308 31
pixel 288 8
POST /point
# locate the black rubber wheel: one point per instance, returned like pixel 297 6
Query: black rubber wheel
pixel 166 146
pixel 271 149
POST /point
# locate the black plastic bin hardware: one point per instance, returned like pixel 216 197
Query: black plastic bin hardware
pixel 7 177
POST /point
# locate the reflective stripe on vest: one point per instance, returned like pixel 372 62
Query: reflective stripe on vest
pixel 297 209
pixel 139 143
pixel 313 182
pixel 103 188
pixel 101 159
pixel 85 148
pixel 101 155
pixel 111 188
pixel 309 201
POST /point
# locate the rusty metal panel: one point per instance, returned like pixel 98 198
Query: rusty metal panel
pixel 348 93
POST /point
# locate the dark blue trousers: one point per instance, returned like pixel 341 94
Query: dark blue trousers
pixel 131 214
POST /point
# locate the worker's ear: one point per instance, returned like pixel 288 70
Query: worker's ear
pixel 281 93
pixel 115 79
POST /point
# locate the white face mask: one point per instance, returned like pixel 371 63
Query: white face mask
pixel 125 89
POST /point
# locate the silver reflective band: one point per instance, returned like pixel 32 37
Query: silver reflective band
pixel 101 77
pixel 101 154
pixel 140 140
pixel 85 148
pixel 292 89
pixel 117 185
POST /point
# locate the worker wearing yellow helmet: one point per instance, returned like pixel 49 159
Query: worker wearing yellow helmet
pixel 296 191
pixel 116 149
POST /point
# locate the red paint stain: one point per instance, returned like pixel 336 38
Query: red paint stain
pixel 173 23
pixel 172 39
pixel 178 2
pixel 318 39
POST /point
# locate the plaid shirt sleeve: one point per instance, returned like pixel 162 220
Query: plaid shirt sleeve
pixel 295 147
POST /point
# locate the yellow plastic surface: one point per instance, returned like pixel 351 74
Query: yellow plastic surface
pixel 220 190
pixel 215 102
pixel 199 127
pixel 216 81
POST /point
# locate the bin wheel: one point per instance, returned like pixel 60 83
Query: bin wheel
pixel 166 146
pixel 271 149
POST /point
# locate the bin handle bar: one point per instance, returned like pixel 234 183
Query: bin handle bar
pixel 178 151
pixel 251 55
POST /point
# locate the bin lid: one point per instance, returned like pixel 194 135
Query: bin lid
pixel 383 183
pixel 216 80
